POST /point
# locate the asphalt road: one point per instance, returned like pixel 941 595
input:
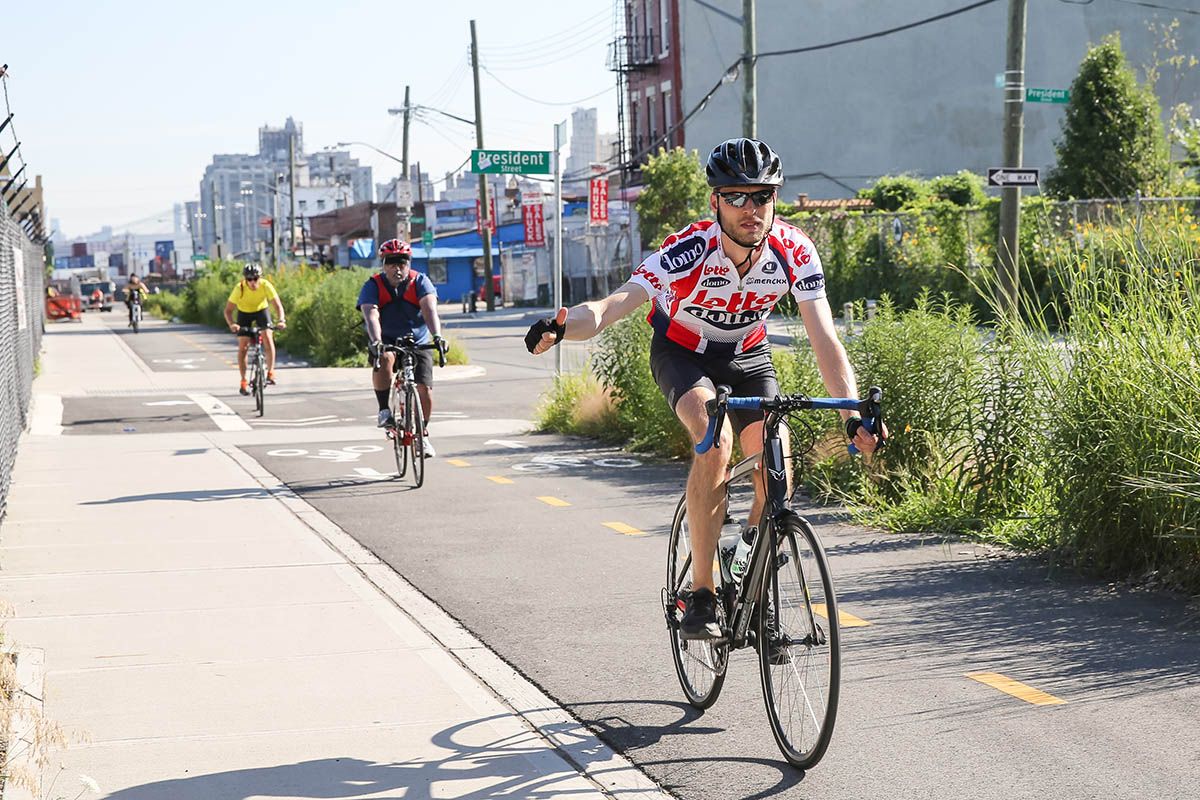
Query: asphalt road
pixel 527 540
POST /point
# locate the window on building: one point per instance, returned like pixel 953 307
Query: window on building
pixel 303 206
pixel 651 119
pixel 320 205
pixel 437 270
pixel 667 113
pixel 664 26
pixel 635 131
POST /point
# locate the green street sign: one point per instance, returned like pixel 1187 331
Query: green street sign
pixel 1033 95
pixel 427 241
pixel 416 220
pixel 520 162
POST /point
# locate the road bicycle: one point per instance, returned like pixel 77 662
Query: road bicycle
pixel 256 360
pixel 784 604
pixel 407 427
pixel 135 313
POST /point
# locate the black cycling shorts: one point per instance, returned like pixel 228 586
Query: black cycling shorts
pixel 245 320
pixel 678 370
pixel 422 364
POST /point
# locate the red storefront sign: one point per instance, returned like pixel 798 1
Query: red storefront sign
pixel 598 201
pixel 533 215
pixel 491 215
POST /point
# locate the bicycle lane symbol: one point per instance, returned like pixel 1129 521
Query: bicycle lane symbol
pixel 346 455
pixel 552 463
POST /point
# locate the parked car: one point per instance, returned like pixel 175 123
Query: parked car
pixel 495 289
pixel 98 295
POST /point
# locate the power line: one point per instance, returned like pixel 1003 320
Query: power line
pixel 496 78
pixel 1160 8
pixel 878 34
pixel 587 25
pixel 545 56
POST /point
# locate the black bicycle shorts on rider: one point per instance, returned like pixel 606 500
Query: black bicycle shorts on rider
pixel 678 370
pixel 422 362
pixel 245 320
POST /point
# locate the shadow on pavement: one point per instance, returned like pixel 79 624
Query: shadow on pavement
pixel 195 496
pixel 1090 641
pixel 475 765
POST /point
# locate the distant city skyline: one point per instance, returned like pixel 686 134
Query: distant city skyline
pixel 124 132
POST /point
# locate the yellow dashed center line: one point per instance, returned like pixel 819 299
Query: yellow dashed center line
pixel 1017 689
pixel 844 620
pixel 207 350
pixel 498 479
pixel 458 462
pixel 553 501
pixel 621 527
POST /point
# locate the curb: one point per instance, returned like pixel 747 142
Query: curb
pixel 27 701
pixel 612 773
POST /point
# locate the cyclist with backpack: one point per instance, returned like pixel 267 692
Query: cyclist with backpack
pixel 250 299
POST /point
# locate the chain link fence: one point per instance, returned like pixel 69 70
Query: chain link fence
pixel 21 323
pixel 596 260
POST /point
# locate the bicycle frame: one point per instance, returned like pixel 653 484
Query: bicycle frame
pixel 774 474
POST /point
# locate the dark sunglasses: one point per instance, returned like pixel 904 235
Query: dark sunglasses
pixel 397 260
pixel 738 199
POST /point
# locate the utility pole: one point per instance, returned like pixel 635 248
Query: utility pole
pixel 292 193
pixel 749 68
pixel 403 220
pixel 558 234
pixel 485 232
pixel 1014 124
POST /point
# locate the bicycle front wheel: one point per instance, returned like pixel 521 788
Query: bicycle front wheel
pixel 260 381
pixel 799 644
pixel 699 664
pixel 415 423
pixel 399 448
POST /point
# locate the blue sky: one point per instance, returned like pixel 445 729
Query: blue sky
pixel 121 105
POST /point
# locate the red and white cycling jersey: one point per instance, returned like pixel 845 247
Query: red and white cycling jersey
pixel 700 302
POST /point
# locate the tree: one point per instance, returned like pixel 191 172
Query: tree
pixel 1113 142
pixel 675 193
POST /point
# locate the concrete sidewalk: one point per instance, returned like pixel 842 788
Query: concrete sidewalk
pixel 207 635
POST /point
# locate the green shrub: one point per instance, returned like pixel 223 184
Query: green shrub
pixel 964 188
pixel 323 323
pixel 894 192
pixel 622 362
pixel 164 305
pixel 675 193
pixel 578 404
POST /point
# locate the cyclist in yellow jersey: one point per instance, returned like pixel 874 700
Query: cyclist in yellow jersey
pixel 250 299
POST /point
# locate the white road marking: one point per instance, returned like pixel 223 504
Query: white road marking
pixel 170 403
pixel 507 443
pixel 221 414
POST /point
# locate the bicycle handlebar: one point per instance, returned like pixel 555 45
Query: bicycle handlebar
pixel 408 343
pixel 869 409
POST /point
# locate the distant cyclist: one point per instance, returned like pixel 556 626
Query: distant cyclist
pixel 399 302
pixel 133 291
pixel 250 299
pixel 712 285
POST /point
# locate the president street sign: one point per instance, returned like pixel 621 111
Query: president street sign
pixel 1034 95
pixel 1002 176
pixel 521 162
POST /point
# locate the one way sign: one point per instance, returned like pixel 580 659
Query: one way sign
pixel 1002 176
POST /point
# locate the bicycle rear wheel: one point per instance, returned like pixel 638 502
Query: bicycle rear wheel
pixel 399 448
pixel 799 644
pixel 414 422
pixel 260 380
pixel 137 317
pixel 699 664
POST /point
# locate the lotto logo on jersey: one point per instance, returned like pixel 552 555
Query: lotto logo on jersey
pixel 648 277
pixel 684 255
pixel 716 269
pixel 737 301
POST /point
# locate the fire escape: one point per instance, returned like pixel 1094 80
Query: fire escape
pixel 629 54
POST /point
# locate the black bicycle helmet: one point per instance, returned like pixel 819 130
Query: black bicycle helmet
pixel 743 162
pixel 252 270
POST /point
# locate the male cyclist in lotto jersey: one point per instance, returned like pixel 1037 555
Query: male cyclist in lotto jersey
pixel 398 302
pixel 712 285
pixel 250 299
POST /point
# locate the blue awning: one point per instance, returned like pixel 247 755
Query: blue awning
pixel 450 252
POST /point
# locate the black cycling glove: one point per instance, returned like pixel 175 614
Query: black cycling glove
pixel 852 426
pixel 540 327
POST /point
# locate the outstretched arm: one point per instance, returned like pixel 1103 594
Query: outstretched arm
pixel 583 321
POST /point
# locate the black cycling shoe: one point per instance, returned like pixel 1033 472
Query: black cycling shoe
pixel 700 618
